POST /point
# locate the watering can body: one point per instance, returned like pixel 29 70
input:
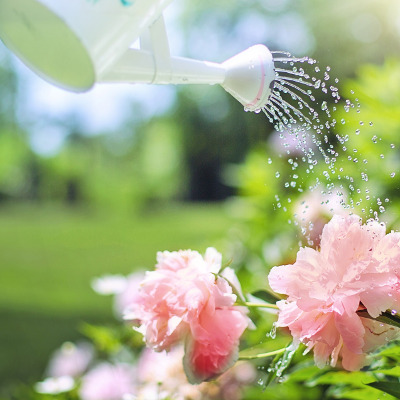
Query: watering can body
pixel 76 43
pixel 73 43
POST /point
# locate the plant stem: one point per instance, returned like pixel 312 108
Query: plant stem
pixel 259 305
pixel 263 355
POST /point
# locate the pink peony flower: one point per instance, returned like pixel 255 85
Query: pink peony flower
pixel 183 300
pixel 70 360
pixel 55 385
pixel 129 295
pixel 296 141
pixel 108 382
pixel 168 380
pixel 356 264
pixel 124 288
pixel 314 209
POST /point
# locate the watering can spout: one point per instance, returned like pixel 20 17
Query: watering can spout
pixel 247 76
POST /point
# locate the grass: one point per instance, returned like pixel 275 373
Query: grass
pixel 48 256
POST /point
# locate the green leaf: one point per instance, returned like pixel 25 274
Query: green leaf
pixel 385 318
pixel 272 370
pixel 267 346
pixel 391 371
pixel 355 394
pixel 303 373
pixel 104 338
pixel 266 296
pixel 278 366
pixel 392 388
pixel 357 378
pixel 390 351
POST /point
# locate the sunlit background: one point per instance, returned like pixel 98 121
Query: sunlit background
pixel 96 183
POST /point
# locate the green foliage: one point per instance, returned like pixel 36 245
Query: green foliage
pixel 373 126
pixel 268 297
pixel 49 255
pixel 264 237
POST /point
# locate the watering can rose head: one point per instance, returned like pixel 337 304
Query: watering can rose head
pixel 355 269
pixel 184 300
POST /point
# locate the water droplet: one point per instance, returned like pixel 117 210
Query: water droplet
pixel 272 333
pixel 393 174
pixel 371 124
pixel 277 174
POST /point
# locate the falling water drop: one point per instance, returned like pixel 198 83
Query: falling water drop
pixel 294 107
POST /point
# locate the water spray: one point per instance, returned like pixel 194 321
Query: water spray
pixel 75 44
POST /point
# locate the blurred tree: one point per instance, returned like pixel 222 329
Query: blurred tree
pixel 207 128
pixel 8 90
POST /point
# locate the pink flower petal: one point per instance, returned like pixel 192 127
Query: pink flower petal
pixel 213 345
pixel 378 300
pixel 378 334
pixel 356 263
pixel 351 330
pixel 352 361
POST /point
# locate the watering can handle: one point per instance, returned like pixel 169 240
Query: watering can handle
pixel 248 76
pixel 152 63
pixel 155 40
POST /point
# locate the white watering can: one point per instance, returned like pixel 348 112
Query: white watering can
pixel 76 43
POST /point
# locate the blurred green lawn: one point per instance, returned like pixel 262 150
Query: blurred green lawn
pixel 48 256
